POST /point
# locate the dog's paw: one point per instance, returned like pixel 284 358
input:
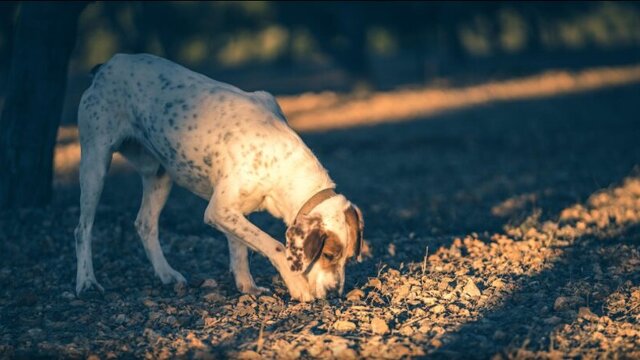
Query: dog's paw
pixel 171 276
pixel 254 290
pixel 83 285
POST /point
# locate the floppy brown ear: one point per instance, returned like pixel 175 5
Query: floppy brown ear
pixel 355 225
pixel 305 240
pixel 313 244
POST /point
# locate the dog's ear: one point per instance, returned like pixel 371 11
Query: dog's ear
pixel 331 251
pixel 305 241
pixel 355 228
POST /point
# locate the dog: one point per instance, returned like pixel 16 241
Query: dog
pixel 232 148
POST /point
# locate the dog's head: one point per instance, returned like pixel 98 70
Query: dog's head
pixel 320 243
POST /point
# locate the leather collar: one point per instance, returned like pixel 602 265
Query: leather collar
pixel 314 201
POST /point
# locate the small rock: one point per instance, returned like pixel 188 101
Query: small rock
pixel 209 284
pixel 180 289
pixel 121 318
pixel 585 313
pixel 552 320
pixel 498 284
pixel 213 297
pixel 375 283
pixel 436 343
pixel 499 335
pixel 68 296
pixel 344 325
pixel 246 299
pixel 438 309
pixel 346 354
pixel 248 355
pixel 379 326
pixel 471 289
pixel 355 295
pixel 406 330
pixel 93 357
pixel 401 293
pixel 149 303
pixel 565 303
pixel 429 301
pixel 171 320
pixel 266 299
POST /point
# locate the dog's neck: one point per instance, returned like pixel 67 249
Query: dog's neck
pixel 294 191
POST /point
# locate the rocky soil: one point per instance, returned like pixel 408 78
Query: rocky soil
pixel 505 230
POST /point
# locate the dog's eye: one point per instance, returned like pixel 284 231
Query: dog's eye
pixel 328 256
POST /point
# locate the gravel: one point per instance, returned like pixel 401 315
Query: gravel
pixel 504 231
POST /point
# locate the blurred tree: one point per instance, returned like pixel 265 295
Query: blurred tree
pixel 45 34
pixel 339 29
pixel 7 12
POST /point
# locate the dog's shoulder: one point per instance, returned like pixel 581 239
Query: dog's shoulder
pixel 269 101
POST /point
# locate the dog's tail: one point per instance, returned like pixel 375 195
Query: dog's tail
pixel 94 71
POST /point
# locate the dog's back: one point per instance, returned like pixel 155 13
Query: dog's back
pixel 196 127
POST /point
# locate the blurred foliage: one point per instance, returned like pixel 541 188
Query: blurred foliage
pixel 351 35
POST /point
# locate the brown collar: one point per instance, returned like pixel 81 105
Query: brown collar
pixel 314 201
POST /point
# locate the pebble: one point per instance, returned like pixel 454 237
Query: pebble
pixel 180 289
pixel 498 284
pixel 437 309
pixel 268 299
pixel 213 297
pixel 248 355
pixel 552 320
pixel 355 295
pixel 375 283
pixel 379 326
pixel 565 302
pixel 209 284
pixel 343 325
pixel 149 303
pixel 470 289
pixel 406 331
pixel 68 295
pixel 171 320
pixel 585 313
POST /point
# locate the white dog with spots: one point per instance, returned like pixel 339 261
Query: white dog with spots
pixel 230 147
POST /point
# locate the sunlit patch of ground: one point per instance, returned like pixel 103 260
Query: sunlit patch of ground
pixel 325 111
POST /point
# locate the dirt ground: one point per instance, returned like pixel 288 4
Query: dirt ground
pixel 501 230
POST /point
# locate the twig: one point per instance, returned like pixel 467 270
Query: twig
pixel 424 260
pixel 260 341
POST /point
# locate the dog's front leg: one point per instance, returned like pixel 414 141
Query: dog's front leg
pixel 226 218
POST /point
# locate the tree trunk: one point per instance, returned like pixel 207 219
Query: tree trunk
pixel 45 34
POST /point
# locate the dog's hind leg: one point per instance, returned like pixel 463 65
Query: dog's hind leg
pixel 239 266
pixel 156 186
pixel 93 168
